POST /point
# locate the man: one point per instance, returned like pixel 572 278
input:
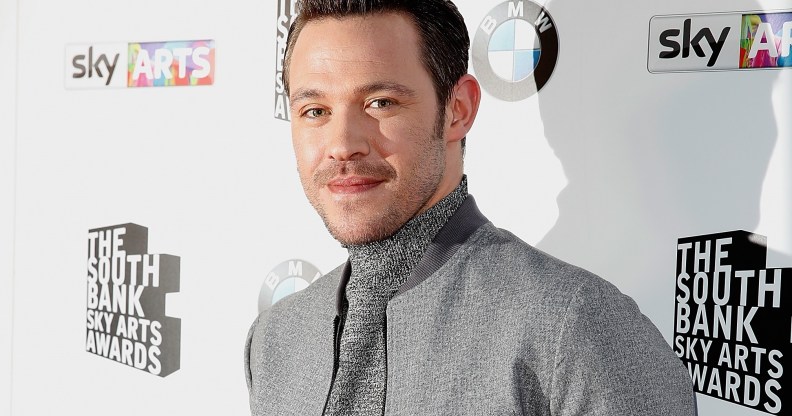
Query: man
pixel 436 311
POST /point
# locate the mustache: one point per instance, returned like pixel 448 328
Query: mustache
pixel 379 170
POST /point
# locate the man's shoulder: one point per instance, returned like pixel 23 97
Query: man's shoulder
pixel 503 269
pixel 523 266
pixel 306 310
pixel 590 324
pixel 288 353
pixel 293 323
pixel 318 297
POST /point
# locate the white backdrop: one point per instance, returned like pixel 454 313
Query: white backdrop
pixel 606 167
pixel 7 169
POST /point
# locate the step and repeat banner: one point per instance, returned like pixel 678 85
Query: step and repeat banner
pixel 157 209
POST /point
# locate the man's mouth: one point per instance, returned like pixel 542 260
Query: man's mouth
pixel 352 184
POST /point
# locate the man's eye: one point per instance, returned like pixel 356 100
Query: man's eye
pixel 381 103
pixel 315 112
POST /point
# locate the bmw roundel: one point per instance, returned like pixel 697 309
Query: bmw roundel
pixel 515 49
pixel 288 277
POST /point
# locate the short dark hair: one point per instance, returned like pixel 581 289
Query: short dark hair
pixel 443 34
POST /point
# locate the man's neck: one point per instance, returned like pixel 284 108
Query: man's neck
pixel 388 262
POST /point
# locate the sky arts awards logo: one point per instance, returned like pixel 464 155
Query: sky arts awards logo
pixel 287 278
pixel 126 291
pixel 287 13
pixel 515 49
pixel 732 320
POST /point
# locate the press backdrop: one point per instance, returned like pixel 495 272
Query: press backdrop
pixel 183 162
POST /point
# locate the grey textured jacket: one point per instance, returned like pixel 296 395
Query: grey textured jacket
pixel 485 325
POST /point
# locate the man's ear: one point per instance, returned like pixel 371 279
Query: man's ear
pixel 462 108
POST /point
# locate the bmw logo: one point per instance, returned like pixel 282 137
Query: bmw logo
pixel 287 278
pixel 515 50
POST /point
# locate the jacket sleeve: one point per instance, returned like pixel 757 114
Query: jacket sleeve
pixel 611 360
pixel 253 357
pixel 248 342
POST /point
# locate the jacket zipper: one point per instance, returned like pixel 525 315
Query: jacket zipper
pixel 336 345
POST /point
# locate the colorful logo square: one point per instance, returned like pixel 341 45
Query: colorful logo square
pixel 164 64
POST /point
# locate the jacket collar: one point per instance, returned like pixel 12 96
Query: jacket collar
pixel 466 220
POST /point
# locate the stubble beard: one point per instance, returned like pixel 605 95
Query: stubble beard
pixel 416 186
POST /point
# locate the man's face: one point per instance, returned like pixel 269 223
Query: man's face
pixel 365 126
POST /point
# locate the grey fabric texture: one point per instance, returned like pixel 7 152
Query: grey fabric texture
pixel 378 270
pixel 494 327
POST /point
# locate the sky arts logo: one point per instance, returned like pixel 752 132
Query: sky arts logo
pixel 723 41
pixel 152 64
pixel 515 49
pixel 287 278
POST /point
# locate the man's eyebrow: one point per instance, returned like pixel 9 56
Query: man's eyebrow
pixel 392 87
pixel 305 94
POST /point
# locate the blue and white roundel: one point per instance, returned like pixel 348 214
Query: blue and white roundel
pixel 287 278
pixel 514 50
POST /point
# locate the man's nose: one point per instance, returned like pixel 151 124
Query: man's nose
pixel 348 138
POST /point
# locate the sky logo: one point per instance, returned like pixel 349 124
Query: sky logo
pixel 128 65
pixel 721 41
pixel 96 66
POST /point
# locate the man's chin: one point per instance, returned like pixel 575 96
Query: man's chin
pixel 347 238
pixel 361 232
